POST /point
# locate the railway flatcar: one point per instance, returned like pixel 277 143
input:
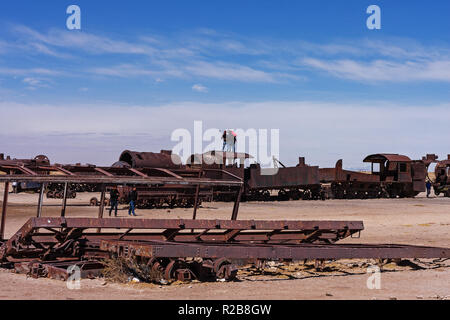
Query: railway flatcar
pixel 25 166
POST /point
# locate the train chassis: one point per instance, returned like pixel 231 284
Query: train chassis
pixel 361 190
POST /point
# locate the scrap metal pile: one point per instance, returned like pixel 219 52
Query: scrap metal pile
pixel 181 249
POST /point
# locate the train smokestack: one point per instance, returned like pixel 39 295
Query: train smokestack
pixel 301 161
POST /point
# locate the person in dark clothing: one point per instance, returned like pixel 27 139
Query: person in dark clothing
pixel 113 200
pixel 428 185
pixel 224 138
pixel 132 198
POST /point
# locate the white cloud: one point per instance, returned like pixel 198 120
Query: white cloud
pixel 84 41
pixel 323 132
pixel 199 88
pixel 383 70
pixel 210 54
pixel 129 70
pixel 228 71
pixel 21 72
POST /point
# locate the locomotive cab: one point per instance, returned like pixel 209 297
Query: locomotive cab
pixel 391 167
pixel 398 174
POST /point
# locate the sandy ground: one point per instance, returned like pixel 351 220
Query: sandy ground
pixel 418 221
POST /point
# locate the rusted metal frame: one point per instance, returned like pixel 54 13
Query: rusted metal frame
pixel 139 173
pixel 313 235
pixel 97 179
pixel 197 224
pixel 198 237
pixel 224 172
pixel 272 233
pixel 230 235
pixel 106 173
pixel 20 168
pixel 11 245
pixel 293 231
pixel 60 169
pixel 102 205
pixel 26 170
pixel 41 200
pixel 125 233
pixel 4 207
pixel 197 191
pixel 170 234
pixel 64 201
pixel 169 172
pixel 59 270
pixel 206 235
pixel 52 230
pixel 236 203
pixel 273 251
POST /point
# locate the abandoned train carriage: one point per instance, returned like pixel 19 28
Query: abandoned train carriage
pixel 391 175
pixel 260 184
pixel 166 164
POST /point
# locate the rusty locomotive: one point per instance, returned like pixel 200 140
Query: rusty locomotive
pixel 166 163
pixel 261 184
pixel 441 183
pixel 391 175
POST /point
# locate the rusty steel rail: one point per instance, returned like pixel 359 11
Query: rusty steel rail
pixel 158 249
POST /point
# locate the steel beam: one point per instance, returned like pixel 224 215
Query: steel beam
pixel 102 205
pixel 195 224
pixel 115 180
pixel 236 203
pixel 64 201
pixel 4 207
pixel 272 251
pixel 41 200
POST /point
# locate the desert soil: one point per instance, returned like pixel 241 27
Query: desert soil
pixel 418 221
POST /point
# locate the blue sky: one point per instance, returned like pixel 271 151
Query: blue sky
pixel 137 70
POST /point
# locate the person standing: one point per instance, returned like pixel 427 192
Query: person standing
pixel 14 187
pixel 428 185
pixel 234 140
pixel 132 198
pixel 114 200
pixel 224 138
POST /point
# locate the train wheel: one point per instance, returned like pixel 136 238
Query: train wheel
pixel 306 195
pixel 265 195
pixel 224 269
pixel 93 202
pixel 295 194
pixel 170 271
pixel 361 195
pixel 282 195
